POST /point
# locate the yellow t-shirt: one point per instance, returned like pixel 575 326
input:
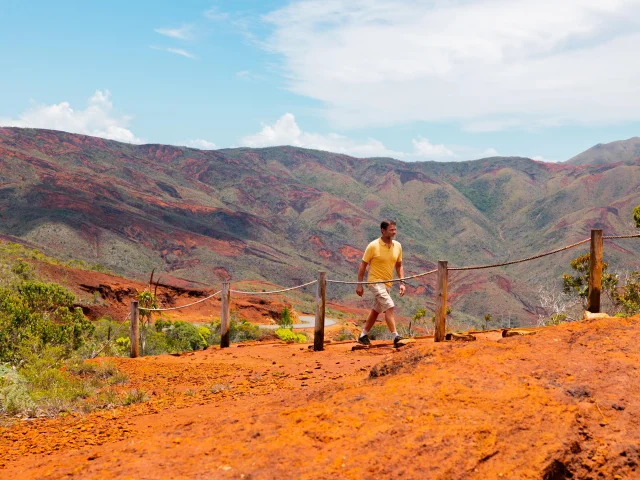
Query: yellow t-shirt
pixel 382 260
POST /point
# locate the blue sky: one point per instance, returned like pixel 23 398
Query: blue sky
pixel 411 79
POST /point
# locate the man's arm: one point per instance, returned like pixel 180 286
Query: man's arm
pixel 361 271
pixel 400 272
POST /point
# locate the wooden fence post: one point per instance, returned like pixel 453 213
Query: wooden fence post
pixel 134 330
pixel 595 270
pixel 441 301
pixel 225 316
pixel 321 302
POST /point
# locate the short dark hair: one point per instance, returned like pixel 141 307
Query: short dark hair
pixel 386 222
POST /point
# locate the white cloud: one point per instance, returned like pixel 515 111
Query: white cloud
pixel 490 152
pixel 424 148
pixel 99 119
pixel 183 33
pixel 214 14
pixel 488 64
pixel 286 131
pixel 540 158
pixel 177 51
pixel 200 144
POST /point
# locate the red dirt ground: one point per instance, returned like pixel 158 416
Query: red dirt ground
pixel 563 403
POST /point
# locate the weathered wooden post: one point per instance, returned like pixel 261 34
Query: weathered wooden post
pixel 441 301
pixel 595 270
pixel 134 330
pixel 225 316
pixel 321 302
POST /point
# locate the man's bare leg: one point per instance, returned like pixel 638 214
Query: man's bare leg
pixel 390 319
pixel 371 320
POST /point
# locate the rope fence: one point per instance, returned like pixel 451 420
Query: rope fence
pixel 384 281
pixel 614 237
pixel 534 257
pixel 275 291
pixel 181 306
pixel 595 285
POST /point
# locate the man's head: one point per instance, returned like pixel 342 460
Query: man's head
pixel 388 229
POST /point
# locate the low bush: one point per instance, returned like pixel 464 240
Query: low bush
pixel 629 297
pixel 14 393
pixel 287 335
pixel 380 332
pixel 135 396
pixel 40 312
pixel 240 330
pixel 47 384
pixel 185 337
pixel 344 334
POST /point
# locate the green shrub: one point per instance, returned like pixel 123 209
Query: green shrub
pixel 557 319
pixel 135 396
pixel 23 270
pixel 40 312
pixel 103 339
pixel 285 318
pixel 240 330
pixel 157 342
pixel 379 332
pixel 124 345
pixel 204 332
pixel 287 335
pixel 578 283
pixel 344 334
pixel 629 298
pixel 14 393
pixel 108 397
pixel 186 337
pixel 162 323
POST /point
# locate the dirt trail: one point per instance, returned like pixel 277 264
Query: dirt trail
pixel 562 402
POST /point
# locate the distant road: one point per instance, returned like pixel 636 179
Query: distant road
pixel 308 321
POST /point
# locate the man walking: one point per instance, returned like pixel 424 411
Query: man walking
pixel 382 256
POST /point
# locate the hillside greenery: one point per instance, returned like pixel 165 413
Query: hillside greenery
pixel 44 344
pixel 49 349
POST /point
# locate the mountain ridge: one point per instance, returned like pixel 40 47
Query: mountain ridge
pixel 625 151
pixel 283 213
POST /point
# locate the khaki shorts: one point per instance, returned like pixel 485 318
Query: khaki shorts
pixel 382 300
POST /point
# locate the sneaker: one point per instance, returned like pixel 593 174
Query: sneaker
pixel 364 340
pixel 397 340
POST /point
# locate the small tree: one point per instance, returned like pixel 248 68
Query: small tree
pixel 636 216
pixel 417 317
pixel 487 320
pixel 285 318
pixel 146 299
pixel 629 298
pixel 578 283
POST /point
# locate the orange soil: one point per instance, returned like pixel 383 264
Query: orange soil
pixel 563 400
